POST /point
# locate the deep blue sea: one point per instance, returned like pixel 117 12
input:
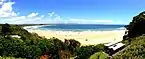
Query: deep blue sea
pixel 82 27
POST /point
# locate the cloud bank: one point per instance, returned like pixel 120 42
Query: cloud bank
pixel 7 15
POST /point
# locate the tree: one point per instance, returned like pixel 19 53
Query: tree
pixel 84 52
pixel 137 26
pixel 6 29
pixel 72 45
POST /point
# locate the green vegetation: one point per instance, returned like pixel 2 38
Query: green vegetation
pixel 84 52
pixel 135 39
pixel 32 46
pixel 136 27
pixel 99 55
pixel 10 58
pixel 136 50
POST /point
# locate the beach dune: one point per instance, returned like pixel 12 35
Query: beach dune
pixel 84 37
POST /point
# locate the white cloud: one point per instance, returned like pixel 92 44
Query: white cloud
pixel 7 15
pixel 6 10
pixel 85 21
pixel 2 1
pixel 51 14
pixel 7 6
pixel 42 16
pixel 33 15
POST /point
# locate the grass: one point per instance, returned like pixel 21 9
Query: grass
pixel 10 58
pixel 99 55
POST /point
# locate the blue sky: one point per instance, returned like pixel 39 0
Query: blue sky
pixel 70 11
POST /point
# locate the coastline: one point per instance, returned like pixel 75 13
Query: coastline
pixel 84 37
pixel 34 27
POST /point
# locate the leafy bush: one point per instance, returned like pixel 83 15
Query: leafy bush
pixel 84 52
pixel 32 46
pixel 5 29
pixel 136 49
pixel 136 27
pixel 135 39
pixel 99 55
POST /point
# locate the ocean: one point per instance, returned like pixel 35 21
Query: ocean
pixel 81 27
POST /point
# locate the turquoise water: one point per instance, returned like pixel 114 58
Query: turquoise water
pixel 81 27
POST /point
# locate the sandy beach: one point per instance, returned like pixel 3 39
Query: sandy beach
pixel 84 37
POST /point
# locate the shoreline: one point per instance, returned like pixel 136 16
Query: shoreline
pixel 34 27
pixel 84 37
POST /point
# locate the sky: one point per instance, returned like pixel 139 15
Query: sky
pixel 69 11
